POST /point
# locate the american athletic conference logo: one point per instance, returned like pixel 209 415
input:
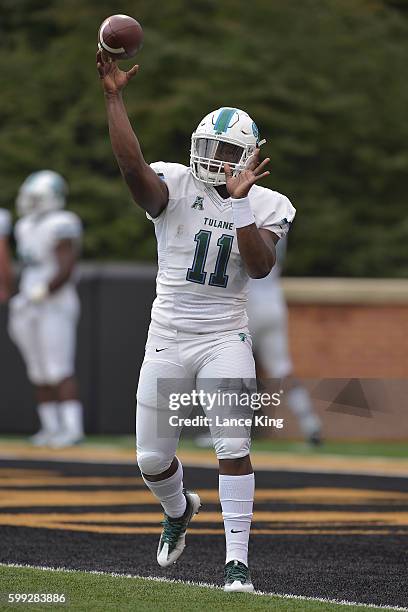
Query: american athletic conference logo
pixel 198 203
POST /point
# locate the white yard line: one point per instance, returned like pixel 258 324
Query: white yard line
pixel 204 584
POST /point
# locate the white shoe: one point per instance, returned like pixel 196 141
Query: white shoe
pixel 237 578
pixel 41 438
pixel 173 538
pixel 65 439
pixel 310 425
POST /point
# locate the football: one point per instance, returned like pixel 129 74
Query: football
pixel 120 36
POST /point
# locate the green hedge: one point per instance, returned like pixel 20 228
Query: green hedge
pixel 324 79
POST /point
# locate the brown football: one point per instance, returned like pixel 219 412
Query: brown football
pixel 120 36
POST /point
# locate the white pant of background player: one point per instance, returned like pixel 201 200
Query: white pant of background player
pixel 45 334
pixel 268 323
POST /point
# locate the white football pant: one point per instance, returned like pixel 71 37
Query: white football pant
pixel 181 363
pixel 45 334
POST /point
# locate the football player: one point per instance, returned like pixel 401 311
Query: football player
pixel 44 314
pixel 5 269
pixel 215 228
pixel 267 312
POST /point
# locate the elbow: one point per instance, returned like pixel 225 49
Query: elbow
pixel 259 273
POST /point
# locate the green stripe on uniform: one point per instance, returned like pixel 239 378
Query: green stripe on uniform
pixel 223 120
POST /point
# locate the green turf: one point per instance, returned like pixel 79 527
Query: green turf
pixel 356 449
pixel 361 449
pixel 103 592
pixel 347 448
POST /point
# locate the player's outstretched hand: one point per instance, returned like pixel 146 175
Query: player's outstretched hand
pixel 112 78
pixel 239 186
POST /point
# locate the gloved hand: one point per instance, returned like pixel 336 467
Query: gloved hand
pixel 37 293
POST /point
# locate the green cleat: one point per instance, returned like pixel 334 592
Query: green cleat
pixel 172 540
pixel 237 578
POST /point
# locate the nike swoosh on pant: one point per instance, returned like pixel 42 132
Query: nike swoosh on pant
pixel 164 349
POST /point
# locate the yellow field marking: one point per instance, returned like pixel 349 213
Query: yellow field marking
pixel 113 529
pixel 206 458
pixel 79 523
pixel 102 481
pixel 16 499
pixel 10 497
pixel 19 472
pixel 330 463
pixel 299 517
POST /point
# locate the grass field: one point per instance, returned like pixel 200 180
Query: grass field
pixel 341 447
pixel 87 591
pixel 345 448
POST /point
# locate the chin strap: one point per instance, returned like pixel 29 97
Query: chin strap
pixel 258 146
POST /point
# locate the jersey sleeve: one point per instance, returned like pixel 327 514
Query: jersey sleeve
pixel 275 213
pixel 5 223
pixel 174 176
pixel 67 226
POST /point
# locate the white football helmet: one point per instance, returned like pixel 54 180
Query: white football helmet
pixel 225 135
pixel 41 192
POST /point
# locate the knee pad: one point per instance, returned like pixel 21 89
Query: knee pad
pixel 231 448
pixel 55 375
pixel 153 462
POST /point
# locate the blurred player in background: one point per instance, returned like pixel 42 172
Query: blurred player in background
pixel 215 228
pixel 5 267
pixel 268 324
pixel 44 314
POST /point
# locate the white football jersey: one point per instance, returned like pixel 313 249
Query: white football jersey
pixel 201 281
pixel 36 237
pixel 5 223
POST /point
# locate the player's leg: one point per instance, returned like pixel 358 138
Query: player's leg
pixel 24 332
pixel 47 410
pixel 157 442
pixel 272 351
pixel 71 413
pixel 57 332
pixel 231 368
pixel 300 403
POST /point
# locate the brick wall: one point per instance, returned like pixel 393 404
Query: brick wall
pixel 342 328
pixel 349 340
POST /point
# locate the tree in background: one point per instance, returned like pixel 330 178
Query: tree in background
pixel 324 80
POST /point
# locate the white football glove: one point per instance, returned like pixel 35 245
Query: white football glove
pixel 37 293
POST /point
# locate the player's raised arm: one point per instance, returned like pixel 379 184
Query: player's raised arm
pixel 256 246
pixel 146 188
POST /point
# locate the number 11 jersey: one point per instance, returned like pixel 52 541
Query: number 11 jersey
pixel 202 283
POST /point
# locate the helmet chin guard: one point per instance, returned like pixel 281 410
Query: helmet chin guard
pixel 227 135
